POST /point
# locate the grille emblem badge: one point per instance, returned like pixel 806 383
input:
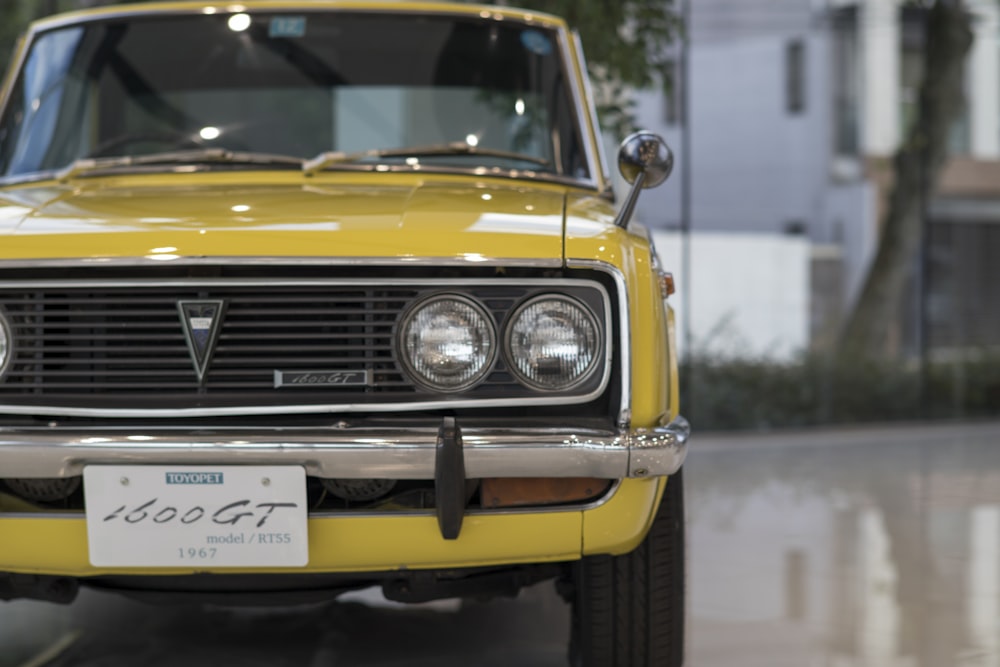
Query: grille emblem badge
pixel 201 321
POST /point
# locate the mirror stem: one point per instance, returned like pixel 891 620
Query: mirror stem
pixel 628 207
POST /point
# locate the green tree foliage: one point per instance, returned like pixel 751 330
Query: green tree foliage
pixel 16 14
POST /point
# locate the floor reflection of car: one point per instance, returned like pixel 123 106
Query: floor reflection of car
pixel 296 300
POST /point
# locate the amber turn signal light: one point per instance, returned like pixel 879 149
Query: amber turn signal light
pixel 520 492
pixel 667 284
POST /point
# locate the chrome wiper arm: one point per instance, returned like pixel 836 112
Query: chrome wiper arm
pixel 198 155
pixel 329 158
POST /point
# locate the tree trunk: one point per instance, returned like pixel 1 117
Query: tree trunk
pixel 917 166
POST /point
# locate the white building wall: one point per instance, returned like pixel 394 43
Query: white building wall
pixel 984 80
pixel 755 165
pixel 878 26
pixel 757 169
pixel 749 292
pixel 850 212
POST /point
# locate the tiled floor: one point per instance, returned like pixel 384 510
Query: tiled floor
pixel 864 548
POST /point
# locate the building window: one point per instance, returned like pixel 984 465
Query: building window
pixel 846 83
pixel 795 76
pixel 672 100
pixel 795 227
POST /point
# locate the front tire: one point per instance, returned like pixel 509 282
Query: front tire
pixel 628 611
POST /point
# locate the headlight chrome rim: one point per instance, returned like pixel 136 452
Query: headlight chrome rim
pixel 586 374
pixel 6 343
pixel 415 374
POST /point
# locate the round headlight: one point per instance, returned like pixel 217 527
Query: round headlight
pixel 6 344
pixel 447 343
pixel 553 343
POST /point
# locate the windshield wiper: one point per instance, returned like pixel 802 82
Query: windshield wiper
pixel 330 158
pixel 196 156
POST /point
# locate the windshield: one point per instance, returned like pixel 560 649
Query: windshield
pixel 302 85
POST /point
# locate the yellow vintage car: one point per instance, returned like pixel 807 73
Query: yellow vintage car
pixel 302 297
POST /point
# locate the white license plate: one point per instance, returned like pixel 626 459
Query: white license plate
pixel 201 516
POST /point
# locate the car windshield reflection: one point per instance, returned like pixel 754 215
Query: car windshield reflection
pixel 355 84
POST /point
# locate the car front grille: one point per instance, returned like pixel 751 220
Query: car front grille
pixel 106 345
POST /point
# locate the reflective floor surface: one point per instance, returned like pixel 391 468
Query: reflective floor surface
pixel 863 548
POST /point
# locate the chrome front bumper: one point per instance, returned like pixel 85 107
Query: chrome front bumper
pixel 360 453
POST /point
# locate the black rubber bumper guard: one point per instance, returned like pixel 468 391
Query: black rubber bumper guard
pixel 450 496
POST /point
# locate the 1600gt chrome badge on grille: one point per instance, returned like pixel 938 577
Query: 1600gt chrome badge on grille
pixel 324 378
pixel 201 321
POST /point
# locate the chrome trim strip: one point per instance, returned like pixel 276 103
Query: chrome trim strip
pixel 6 343
pixel 97 15
pixel 477 172
pixel 569 65
pixel 480 171
pixel 595 125
pixel 624 342
pixel 182 283
pixel 445 403
pixel 289 261
pixel 262 410
pixel 355 453
pixel 658 449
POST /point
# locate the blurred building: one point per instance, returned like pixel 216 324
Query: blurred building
pixel 796 108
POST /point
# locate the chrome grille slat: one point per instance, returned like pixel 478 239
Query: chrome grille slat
pixel 130 349
pixel 233 340
pixel 133 325
pixel 251 350
pixel 183 373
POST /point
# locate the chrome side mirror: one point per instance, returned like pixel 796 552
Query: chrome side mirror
pixel 645 161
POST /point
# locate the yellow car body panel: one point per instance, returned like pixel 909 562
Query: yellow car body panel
pixel 274 214
pixel 58 545
pixel 592 236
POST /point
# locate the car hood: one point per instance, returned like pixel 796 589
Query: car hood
pixel 129 217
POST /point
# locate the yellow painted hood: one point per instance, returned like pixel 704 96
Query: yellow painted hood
pixel 248 214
